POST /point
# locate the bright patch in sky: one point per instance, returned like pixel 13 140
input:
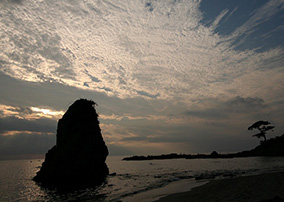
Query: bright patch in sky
pixel 29 112
pixel 48 113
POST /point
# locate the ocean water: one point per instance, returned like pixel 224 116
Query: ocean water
pixel 134 180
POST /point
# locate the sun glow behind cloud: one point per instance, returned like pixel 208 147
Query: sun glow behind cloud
pixel 29 113
pixel 48 113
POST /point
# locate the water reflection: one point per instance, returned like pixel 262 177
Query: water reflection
pixel 16 182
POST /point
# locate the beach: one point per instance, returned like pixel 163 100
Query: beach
pixel 263 187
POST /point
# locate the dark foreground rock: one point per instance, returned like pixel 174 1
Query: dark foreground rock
pixel 80 151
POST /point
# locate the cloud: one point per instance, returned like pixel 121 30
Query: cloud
pixel 206 114
pixel 163 54
pixel 25 145
pixel 219 18
pixel 47 113
pixel 220 110
pixel 157 71
pixel 29 112
pixel 143 93
pixel 240 104
pixel 258 17
pixel 37 125
pixel 13 1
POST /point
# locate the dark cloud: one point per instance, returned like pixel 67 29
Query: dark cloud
pixel 240 104
pixel 37 125
pixel 149 6
pixel 148 94
pixel 197 139
pixel 221 110
pixel 94 79
pixel 207 113
pixel 86 84
pixel 106 89
pixel 25 145
pixel 23 109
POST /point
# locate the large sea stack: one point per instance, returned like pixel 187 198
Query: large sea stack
pixel 80 151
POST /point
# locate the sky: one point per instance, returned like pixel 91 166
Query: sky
pixel 168 75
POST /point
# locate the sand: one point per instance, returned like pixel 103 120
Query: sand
pixel 264 187
pixel 172 188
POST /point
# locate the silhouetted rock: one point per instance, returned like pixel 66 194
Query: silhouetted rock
pixel 80 151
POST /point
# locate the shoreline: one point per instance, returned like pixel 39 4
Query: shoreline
pixel 184 185
pixel 262 187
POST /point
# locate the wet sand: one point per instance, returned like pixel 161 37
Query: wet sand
pixel 172 188
pixel 264 187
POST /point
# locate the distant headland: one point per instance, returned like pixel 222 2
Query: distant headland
pixel 271 147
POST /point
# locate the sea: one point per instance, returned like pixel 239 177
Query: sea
pixel 132 180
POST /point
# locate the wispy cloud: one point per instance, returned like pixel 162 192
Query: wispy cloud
pixel 124 50
pixel 259 16
pixel 215 24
